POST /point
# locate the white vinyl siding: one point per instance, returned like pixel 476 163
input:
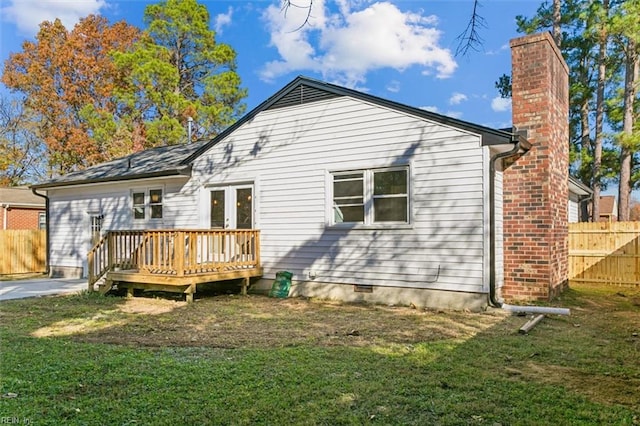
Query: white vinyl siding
pixel 290 154
pixel 573 207
pixel 71 210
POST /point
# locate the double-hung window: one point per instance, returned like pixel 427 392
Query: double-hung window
pixel 147 203
pixel 371 196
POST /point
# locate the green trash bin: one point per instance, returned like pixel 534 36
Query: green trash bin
pixel 281 285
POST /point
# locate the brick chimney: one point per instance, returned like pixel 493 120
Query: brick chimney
pixel 536 184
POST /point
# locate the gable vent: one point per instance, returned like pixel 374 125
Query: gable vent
pixel 303 95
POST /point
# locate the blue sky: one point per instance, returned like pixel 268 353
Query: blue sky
pixel 399 50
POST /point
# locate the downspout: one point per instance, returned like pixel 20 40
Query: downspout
pixel 582 205
pixel 46 200
pixel 521 146
pixel 5 216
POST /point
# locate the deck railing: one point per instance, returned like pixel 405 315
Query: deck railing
pixel 176 252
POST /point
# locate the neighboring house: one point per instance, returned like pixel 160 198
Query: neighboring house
pixel 608 209
pixel 359 197
pixel 21 209
pixel 579 196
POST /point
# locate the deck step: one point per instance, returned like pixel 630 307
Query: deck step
pixel 105 286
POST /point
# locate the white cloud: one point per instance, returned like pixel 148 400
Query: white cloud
pixel 454 114
pixel 498 51
pixel 223 20
pixel 430 108
pixel 27 15
pixel 393 86
pixel 456 98
pixel 499 104
pixel 344 45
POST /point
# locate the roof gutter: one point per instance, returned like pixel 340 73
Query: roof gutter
pixel 520 147
pixel 46 209
pixel 178 172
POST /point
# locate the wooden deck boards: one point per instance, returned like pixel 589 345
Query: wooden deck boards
pixel 187 284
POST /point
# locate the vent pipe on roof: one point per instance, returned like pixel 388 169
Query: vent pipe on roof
pixel 189 126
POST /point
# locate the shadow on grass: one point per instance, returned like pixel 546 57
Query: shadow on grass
pixel 328 363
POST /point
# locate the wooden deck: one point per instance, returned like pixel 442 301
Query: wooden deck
pixel 174 260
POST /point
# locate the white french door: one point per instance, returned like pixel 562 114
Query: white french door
pixel 231 207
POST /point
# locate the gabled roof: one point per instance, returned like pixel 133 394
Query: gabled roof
pixel 303 90
pixel 608 206
pixel 20 197
pixel 175 160
pixel 155 162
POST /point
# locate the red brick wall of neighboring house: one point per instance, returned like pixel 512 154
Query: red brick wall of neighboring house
pixel 536 184
pixel 19 217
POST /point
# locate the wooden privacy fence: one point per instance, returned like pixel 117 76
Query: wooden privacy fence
pixel 22 251
pixel 604 253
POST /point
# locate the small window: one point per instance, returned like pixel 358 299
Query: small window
pixel 138 205
pixel 96 228
pixel 155 202
pixel 374 196
pixel 147 200
pixel 42 220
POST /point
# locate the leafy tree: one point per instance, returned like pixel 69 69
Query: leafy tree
pixel 61 74
pixel 177 70
pixel 625 28
pixel 22 158
pixel 587 35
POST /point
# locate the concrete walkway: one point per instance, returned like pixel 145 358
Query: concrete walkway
pixel 21 289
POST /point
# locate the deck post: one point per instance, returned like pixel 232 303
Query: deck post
pixel 189 292
pixel 110 250
pixel 91 267
pixel 178 247
pixel 245 285
pixel 256 260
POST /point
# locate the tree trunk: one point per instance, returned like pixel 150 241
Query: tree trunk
pixel 597 149
pixel 585 136
pixel 557 32
pixel 630 79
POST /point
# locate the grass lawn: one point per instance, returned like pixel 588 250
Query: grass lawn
pixel 94 360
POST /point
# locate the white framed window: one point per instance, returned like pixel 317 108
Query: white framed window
pixel 155 203
pixel 147 203
pixel 42 220
pixel 139 209
pixel 371 197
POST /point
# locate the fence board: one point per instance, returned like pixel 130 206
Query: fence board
pixel 22 251
pixel 605 253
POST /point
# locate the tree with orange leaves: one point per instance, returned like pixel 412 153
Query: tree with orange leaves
pixel 62 75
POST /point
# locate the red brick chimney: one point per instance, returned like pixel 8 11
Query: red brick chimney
pixel 536 184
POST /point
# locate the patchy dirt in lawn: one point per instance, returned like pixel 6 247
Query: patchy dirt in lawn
pixel 233 321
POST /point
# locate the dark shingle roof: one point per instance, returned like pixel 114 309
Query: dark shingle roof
pixel 155 162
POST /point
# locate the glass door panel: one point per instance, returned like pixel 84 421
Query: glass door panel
pixel 244 208
pixel 218 209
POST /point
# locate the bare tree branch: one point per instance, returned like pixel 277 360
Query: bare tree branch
pixel 470 38
pixel 286 4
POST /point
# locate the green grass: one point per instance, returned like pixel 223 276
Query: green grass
pixel 582 369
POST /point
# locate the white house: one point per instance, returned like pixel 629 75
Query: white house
pixel 361 198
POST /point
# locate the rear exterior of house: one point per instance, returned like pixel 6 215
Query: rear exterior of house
pixel 359 197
